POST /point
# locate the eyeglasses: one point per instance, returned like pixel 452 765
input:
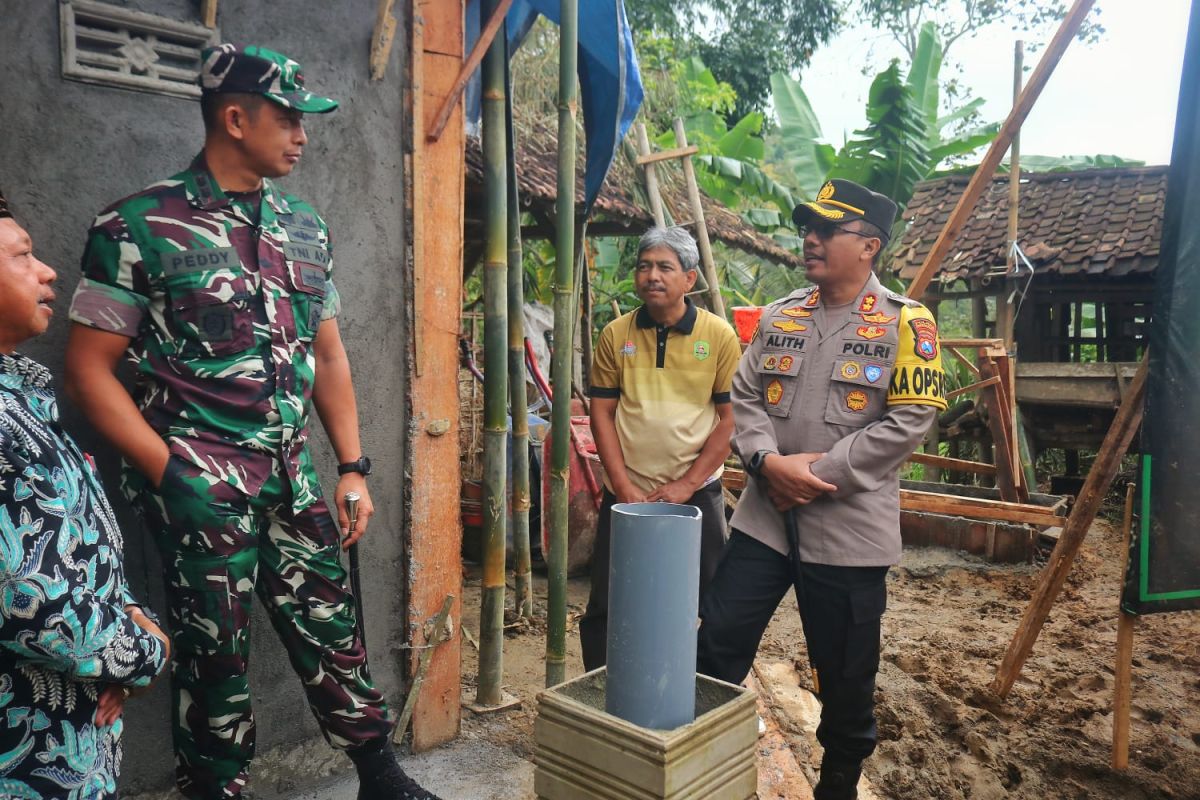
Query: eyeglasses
pixel 827 230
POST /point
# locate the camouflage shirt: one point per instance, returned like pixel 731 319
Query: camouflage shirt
pixel 222 310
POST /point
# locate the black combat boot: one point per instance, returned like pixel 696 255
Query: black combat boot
pixel 839 781
pixel 380 776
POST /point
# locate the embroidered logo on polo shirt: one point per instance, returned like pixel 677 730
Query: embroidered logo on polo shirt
pixel 700 350
pixel 628 349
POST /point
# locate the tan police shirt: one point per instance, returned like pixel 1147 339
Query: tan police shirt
pixel 668 382
pixel 861 383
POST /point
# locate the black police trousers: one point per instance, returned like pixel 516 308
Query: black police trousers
pixel 593 625
pixel 840 609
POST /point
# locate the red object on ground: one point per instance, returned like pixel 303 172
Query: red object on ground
pixel 745 321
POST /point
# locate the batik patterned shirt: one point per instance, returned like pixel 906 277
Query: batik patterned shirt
pixel 221 300
pixel 62 596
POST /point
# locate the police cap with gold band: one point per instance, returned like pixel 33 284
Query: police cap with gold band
pixel 844 201
pixel 228 68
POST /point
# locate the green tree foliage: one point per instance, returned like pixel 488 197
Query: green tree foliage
pixel 956 19
pixel 742 41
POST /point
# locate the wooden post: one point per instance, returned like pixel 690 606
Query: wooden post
pixel 987 168
pixel 706 256
pixel 434 526
pixel 382 38
pixel 208 12
pixel 1122 675
pixel 652 190
pixel 1116 443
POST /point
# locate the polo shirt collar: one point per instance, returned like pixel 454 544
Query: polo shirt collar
pixel 685 324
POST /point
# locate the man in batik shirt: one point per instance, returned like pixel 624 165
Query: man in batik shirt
pixel 73 639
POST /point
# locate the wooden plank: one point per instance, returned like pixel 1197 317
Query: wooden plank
pixel 1099 478
pixel 208 13
pixel 450 102
pixel 951 464
pixel 667 155
pixel 982 179
pixel 979 509
pixel 999 424
pixel 434 526
pixel 974 387
pixel 966 362
pixel 382 38
pixel 1123 674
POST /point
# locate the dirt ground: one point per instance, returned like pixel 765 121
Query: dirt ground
pixel 950 617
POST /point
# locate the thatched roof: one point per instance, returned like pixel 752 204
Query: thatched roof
pixel 1103 222
pixel 616 212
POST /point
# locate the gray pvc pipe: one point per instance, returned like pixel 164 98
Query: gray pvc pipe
pixel 653 598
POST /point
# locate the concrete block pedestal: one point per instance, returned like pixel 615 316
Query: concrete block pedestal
pixel 584 753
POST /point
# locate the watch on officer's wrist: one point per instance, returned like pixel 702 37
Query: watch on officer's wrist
pixel 362 466
pixel 756 462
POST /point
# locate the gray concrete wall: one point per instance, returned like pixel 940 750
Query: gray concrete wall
pixel 68 149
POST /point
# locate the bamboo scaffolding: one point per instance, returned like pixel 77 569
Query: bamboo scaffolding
pixel 495 358
pixel 561 362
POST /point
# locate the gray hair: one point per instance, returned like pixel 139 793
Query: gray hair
pixel 677 239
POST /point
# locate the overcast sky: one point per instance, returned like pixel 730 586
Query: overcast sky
pixel 1115 97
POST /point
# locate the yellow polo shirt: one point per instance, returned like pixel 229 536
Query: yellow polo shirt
pixel 668 382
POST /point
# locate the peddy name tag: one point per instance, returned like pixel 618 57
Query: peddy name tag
pixel 206 258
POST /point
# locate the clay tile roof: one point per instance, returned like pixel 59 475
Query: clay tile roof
pixel 1092 222
pixel 537 178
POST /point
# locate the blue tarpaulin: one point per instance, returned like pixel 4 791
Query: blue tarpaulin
pixel 610 84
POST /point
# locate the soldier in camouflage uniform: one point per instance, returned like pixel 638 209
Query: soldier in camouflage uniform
pixel 219 288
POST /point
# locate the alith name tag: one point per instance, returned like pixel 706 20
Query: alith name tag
pixel 206 258
pixel 295 251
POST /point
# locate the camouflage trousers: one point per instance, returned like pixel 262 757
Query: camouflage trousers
pixel 218 547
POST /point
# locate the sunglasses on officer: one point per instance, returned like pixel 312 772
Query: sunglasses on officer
pixel 827 230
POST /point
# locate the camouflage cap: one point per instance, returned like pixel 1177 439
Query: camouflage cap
pixel 257 70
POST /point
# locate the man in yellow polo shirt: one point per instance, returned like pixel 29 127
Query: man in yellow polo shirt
pixel 661 413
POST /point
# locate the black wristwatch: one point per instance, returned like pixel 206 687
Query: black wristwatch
pixel 756 462
pixel 362 466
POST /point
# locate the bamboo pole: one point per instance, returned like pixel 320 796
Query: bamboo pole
pixel 1123 675
pixel 987 168
pixel 1054 575
pixel 1005 316
pixel 706 256
pixel 561 362
pixel 651 172
pixel 518 401
pixel 495 358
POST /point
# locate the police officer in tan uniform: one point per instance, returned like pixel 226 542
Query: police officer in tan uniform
pixel 839 386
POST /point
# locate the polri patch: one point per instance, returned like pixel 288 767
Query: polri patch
pixel 872 373
pixel 796 312
pixel 206 258
pixel 868 304
pixel 785 364
pixel 850 370
pixel 856 400
pixel 309 253
pixel 789 326
pixel 770 362
pixel 926 332
pixel 813 300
